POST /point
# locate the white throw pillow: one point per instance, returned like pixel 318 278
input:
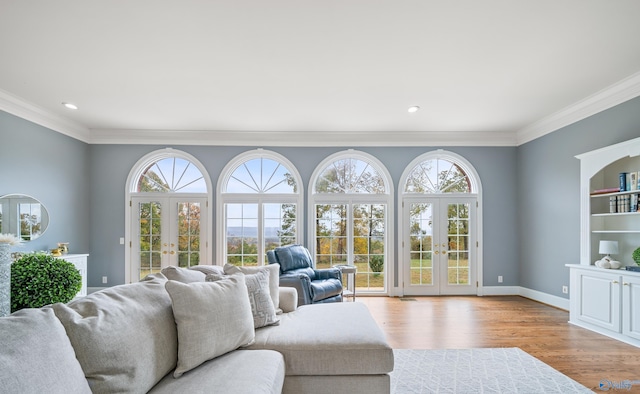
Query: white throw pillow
pixel 274 278
pixel 264 314
pixel 213 318
pixel 183 275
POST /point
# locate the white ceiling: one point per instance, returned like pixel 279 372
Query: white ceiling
pixel 323 72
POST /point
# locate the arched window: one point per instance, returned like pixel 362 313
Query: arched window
pixel 437 175
pixel 167 213
pixel 351 193
pixel 260 195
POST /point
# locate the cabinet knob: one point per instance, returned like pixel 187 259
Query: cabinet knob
pixel 615 282
pixel 626 284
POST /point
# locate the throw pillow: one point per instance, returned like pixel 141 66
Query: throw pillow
pixel 213 318
pixel 208 269
pixel 274 279
pixel 183 275
pixel 37 356
pixel 264 314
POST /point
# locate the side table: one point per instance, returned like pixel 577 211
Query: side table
pixel 349 278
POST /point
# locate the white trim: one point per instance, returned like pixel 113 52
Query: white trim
pixel 25 110
pixel 223 198
pixel 303 138
pixel 500 290
pixel 608 97
pixel 386 198
pixel 555 301
pixel 130 187
pixel 94 289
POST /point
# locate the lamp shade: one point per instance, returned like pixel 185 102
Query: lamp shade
pixel 608 247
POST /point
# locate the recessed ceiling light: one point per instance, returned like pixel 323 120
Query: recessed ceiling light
pixel 70 105
pixel 413 109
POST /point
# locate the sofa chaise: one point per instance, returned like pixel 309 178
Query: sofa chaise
pixel 181 335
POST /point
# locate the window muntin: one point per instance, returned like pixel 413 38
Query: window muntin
pixel 350 175
pixel 172 175
pixel 437 176
pixel 261 175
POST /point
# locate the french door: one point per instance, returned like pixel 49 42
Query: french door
pixel 439 245
pixel 167 231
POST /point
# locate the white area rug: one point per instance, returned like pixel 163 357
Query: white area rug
pixel 496 370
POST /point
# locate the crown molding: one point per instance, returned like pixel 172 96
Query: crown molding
pixel 609 97
pixel 301 138
pixel 25 110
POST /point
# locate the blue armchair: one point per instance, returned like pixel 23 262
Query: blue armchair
pixel 298 270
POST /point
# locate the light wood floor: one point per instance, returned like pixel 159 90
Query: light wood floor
pixel 506 321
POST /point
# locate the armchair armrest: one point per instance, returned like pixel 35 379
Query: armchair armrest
pixel 288 299
pixel 302 284
pixel 328 273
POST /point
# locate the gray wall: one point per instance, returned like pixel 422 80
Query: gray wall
pixel 110 165
pixel 53 168
pixel 531 193
pixel 549 194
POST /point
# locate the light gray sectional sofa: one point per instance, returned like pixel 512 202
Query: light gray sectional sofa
pixel 189 335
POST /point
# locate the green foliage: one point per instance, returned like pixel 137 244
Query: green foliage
pixel 39 279
pixel 636 256
pixel 376 263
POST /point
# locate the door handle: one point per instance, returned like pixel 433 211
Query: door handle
pixel 172 252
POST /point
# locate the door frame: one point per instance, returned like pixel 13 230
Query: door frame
pixel 131 189
pixel 476 191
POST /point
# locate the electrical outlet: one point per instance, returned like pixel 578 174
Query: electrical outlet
pixel 565 289
pixel 104 279
pixel 121 240
pixel 500 279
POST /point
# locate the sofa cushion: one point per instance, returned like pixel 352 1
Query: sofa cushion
pixel 183 275
pixel 124 336
pixel 274 278
pixel 262 308
pixel 36 355
pixel 238 372
pixel 329 339
pixel 208 269
pixel 213 318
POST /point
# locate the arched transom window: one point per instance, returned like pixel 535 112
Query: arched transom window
pixel 351 196
pixel 171 175
pixel 437 175
pixel 260 195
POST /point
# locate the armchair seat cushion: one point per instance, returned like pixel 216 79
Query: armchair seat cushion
pixel 322 289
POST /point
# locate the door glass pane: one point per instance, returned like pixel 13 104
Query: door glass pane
pixel 368 245
pixel 150 232
pixel 331 235
pixel 279 225
pixel 421 244
pixel 242 234
pixel 188 234
pixel 30 223
pixel 458 244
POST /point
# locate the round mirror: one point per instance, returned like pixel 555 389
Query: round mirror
pixel 23 216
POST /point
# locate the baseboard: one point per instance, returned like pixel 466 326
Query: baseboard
pixel 558 302
pixel 94 289
pixel 555 301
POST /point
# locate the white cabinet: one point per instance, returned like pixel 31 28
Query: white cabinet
pixel 80 261
pixel 606 301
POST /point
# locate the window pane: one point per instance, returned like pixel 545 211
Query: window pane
pixel 437 176
pixel 350 176
pixel 261 175
pixel 172 175
pixel 149 234
pixel 242 234
pixel 368 245
pixel 279 225
pixel 188 234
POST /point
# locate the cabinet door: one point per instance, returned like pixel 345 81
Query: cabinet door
pixel 631 306
pixel 599 299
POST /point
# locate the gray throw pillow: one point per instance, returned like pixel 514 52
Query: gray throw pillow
pixel 274 278
pixel 213 318
pixel 36 355
pixel 183 275
pixel 264 314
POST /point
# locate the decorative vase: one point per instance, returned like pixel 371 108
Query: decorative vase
pixel 5 279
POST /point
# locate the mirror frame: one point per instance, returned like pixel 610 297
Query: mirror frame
pixel 45 216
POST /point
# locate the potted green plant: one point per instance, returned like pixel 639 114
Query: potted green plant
pixel 636 256
pixel 39 279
